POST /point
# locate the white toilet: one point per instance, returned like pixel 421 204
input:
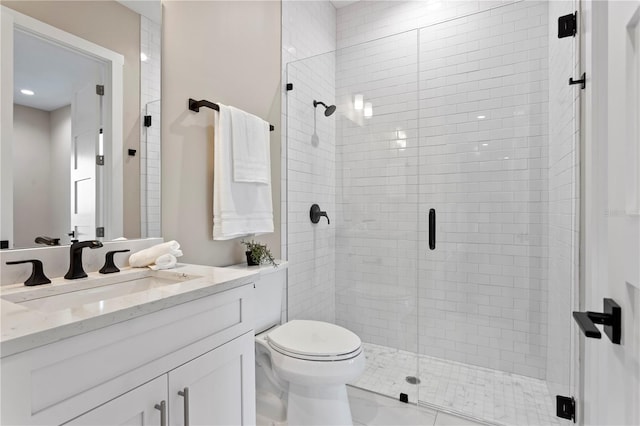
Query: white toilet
pixel 302 366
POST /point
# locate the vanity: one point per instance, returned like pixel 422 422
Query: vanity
pixel 141 347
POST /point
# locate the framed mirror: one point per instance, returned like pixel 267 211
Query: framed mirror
pixel 77 163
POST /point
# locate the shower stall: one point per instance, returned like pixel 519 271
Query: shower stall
pixel 449 174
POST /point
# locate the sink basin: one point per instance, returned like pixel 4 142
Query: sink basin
pixel 73 294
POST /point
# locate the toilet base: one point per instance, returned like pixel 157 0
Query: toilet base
pixel 318 405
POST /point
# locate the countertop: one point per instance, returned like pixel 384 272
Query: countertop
pixel 24 328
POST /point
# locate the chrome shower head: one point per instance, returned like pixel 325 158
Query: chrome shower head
pixel 328 109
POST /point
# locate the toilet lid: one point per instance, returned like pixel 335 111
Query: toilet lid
pixel 315 340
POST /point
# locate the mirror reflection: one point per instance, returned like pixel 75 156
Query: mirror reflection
pixel 62 130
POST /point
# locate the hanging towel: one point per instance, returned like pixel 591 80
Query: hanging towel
pixel 250 150
pixel 148 256
pixel 239 208
pixel 166 261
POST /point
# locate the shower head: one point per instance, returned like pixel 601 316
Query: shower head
pixel 328 109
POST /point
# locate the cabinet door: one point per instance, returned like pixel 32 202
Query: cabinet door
pixel 217 388
pixel 136 407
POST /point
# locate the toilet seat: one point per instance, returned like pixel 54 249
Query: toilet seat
pixel 314 341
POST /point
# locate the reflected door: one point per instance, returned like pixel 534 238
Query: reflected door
pixel 86 158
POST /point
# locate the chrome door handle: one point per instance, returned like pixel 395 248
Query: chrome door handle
pixel 185 394
pixel 163 412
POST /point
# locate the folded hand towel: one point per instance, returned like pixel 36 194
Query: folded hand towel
pixel 239 208
pixel 147 256
pixel 250 147
pixel 166 261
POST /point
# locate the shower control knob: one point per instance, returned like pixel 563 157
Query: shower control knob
pixel 315 214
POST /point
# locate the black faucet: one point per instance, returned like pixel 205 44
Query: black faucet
pixel 47 241
pixel 75 266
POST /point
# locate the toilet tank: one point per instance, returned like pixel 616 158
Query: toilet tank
pixel 269 295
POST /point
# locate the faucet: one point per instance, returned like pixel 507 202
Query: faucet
pixel 75 266
pixel 47 241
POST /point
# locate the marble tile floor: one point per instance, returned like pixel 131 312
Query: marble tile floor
pixel 485 395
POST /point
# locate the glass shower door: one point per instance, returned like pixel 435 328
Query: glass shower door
pixel 497 175
pixel 358 164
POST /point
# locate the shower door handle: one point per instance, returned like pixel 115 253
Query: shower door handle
pixel 432 229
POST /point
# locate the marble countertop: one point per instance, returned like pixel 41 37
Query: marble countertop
pixel 24 328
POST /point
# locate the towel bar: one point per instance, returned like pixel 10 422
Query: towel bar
pixel 196 105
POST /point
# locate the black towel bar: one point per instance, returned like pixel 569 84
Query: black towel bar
pixel 196 105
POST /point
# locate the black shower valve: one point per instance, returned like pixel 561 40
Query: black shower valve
pixel 315 214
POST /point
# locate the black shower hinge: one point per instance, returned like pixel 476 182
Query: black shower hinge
pixel 568 25
pixel 582 82
pixel 404 398
pixel 99 89
pixel 566 407
pixel 99 160
pixel 147 121
pixel 100 232
pixel 289 86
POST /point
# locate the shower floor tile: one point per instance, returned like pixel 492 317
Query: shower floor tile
pixel 479 393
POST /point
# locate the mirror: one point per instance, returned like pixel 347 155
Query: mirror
pixel 52 50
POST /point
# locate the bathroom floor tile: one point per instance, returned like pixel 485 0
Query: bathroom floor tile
pixel 490 396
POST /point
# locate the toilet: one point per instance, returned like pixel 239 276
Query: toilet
pixel 302 366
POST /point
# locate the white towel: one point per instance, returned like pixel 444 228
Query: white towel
pixel 148 256
pixel 166 261
pixel 239 208
pixel 250 142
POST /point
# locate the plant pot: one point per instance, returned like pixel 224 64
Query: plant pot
pixel 250 261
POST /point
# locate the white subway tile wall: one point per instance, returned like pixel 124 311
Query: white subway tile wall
pixel 377 192
pixel 150 45
pixel 563 201
pixel 308 162
pixel 473 144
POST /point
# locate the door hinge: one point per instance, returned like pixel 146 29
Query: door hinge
pixel 568 25
pixel 99 89
pixel 566 407
pixel 289 86
pixel 100 160
pixel 147 121
pixel 100 232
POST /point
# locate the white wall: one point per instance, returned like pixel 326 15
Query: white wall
pixel 309 29
pixel 42 153
pixel 60 126
pixel 222 51
pixel 31 174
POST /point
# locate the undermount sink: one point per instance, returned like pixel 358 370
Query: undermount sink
pixel 73 294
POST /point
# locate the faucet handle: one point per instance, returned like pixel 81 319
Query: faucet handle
pixel 315 214
pixel 37 274
pixel 109 265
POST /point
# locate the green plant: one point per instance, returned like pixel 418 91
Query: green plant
pixel 258 254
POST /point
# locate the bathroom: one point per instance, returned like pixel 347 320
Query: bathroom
pixel 525 247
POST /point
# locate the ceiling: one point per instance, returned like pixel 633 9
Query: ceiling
pixel 342 3
pixel 53 72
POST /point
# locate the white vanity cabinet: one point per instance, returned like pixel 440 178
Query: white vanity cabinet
pixel 119 373
pixel 135 408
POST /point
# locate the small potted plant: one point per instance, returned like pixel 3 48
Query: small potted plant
pixel 258 254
